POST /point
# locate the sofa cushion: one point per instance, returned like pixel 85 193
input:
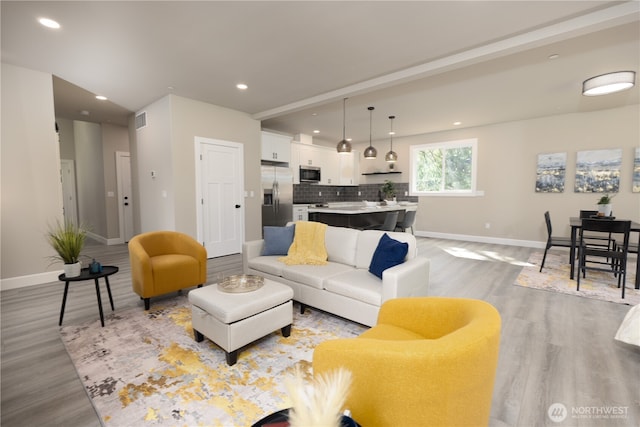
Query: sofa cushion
pixel 357 284
pixel 277 240
pixel 389 253
pixel 313 275
pixel 267 264
pixel 341 244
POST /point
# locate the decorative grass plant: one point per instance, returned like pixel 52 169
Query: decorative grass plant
pixel 67 239
pixel 319 404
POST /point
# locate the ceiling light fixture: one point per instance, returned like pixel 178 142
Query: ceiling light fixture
pixel 608 83
pixel 391 156
pixel 344 146
pixel 49 23
pixel 242 86
pixel 101 97
pixel 370 152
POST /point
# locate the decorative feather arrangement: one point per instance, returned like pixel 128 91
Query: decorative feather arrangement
pixel 318 404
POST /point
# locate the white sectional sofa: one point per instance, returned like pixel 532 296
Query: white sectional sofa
pixel 344 286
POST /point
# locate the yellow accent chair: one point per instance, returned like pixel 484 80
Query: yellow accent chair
pixel 429 361
pixel 165 261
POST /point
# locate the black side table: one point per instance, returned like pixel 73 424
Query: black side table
pixel 107 271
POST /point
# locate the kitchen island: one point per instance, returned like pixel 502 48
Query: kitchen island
pixel 357 214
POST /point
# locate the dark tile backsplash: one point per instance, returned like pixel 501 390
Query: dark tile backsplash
pixel 309 193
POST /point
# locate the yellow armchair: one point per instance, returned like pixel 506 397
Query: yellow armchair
pixel 429 361
pixel 165 261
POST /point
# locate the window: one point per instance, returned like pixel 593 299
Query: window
pixel 445 168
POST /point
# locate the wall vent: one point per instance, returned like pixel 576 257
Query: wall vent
pixel 141 120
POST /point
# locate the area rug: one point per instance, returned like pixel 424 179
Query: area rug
pixel 146 369
pixel 555 277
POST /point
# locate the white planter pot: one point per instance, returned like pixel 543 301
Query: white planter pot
pixel 605 210
pixel 72 270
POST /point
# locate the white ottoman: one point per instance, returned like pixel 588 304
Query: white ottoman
pixel 232 320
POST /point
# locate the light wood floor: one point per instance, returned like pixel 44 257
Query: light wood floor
pixel 554 348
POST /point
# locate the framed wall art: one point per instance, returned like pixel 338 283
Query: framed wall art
pixel 550 172
pixel 598 171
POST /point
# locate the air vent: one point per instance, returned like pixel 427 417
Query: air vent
pixel 141 120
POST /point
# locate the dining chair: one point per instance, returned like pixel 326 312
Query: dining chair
pixel 615 258
pixel 598 239
pixel 553 240
pixel 407 221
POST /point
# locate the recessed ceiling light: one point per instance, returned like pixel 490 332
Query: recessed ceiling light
pixel 608 83
pixel 101 97
pixel 49 23
pixel 457 123
pixel 242 86
pixel 316 131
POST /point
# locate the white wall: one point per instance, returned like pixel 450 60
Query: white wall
pixel 31 191
pixel 507 171
pixel 166 146
pixel 153 153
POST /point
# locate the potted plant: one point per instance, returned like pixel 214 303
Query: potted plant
pixel 604 205
pixel 389 190
pixel 67 239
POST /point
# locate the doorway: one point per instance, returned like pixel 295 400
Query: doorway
pixel 125 200
pixel 220 195
pixel 68 180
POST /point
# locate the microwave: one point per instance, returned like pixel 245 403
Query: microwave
pixel 309 174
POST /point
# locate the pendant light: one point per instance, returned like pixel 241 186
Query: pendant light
pixel 344 146
pixel 370 152
pixel 391 156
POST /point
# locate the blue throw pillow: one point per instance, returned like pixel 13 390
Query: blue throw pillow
pixel 389 253
pixel 277 240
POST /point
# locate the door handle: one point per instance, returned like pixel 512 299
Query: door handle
pixel 237 206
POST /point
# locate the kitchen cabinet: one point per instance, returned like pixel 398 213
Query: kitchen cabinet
pixel 335 168
pixel 276 148
pixel 349 167
pixel 300 213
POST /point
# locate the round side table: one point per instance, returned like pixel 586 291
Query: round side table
pixel 85 274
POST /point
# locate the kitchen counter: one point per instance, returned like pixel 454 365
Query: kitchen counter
pixel 360 208
pixel 356 215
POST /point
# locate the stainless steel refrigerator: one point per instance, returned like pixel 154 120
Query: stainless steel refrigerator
pixel 277 195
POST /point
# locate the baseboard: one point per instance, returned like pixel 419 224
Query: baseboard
pixel 482 239
pixel 29 280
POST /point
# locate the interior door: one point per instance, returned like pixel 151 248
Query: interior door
pixel 125 211
pixel 222 196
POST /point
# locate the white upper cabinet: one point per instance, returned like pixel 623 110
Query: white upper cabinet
pixel 276 148
pixel 335 169
pixel 349 168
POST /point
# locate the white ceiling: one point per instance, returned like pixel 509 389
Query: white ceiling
pixel 429 63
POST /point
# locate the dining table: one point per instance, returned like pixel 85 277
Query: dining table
pixel 576 223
